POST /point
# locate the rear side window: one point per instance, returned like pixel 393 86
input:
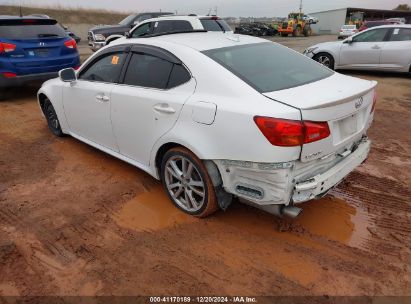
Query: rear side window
pixel 106 69
pixel 215 25
pixel 170 26
pixel 402 34
pixel 268 66
pixel 179 75
pixel 152 72
pixel 31 31
pixel 148 71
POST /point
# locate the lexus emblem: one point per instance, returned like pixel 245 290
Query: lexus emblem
pixel 359 102
pixel 42 44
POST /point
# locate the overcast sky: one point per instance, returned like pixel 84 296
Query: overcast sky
pixel 256 8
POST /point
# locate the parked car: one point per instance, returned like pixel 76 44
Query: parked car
pixel 370 24
pixel 347 31
pixel 172 24
pixel 70 33
pixel 256 29
pixel 385 48
pixel 97 35
pixel 215 116
pixel 33 49
pixel 310 19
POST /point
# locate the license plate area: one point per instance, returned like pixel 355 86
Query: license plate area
pixel 347 127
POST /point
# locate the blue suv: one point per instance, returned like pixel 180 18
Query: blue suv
pixel 33 49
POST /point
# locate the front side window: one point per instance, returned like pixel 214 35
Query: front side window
pixel 401 34
pixel 170 26
pixel 376 35
pixel 142 30
pixel 268 66
pixel 106 69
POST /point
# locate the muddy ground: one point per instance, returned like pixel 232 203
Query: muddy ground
pixel 75 221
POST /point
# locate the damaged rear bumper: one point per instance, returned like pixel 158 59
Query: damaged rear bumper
pixel 267 184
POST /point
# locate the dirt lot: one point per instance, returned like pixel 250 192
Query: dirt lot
pixel 75 221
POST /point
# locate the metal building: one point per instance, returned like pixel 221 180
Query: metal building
pixel 331 21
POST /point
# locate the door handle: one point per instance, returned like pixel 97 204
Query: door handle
pixel 102 98
pixel 375 47
pixel 164 108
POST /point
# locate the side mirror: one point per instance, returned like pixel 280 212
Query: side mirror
pixel 349 40
pixel 127 35
pixel 68 75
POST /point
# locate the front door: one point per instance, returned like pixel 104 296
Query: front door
pixel 87 102
pixel 364 51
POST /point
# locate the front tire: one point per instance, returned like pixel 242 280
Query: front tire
pixel 187 183
pixel 52 119
pixel 325 59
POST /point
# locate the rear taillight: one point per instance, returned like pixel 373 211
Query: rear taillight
pixel 291 133
pixel 374 102
pixel 7 47
pixel 9 74
pixel 77 67
pixel 71 44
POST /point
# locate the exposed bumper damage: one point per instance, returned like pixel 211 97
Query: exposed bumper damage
pixel 267 184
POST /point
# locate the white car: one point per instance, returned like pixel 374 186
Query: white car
pixel 215 116
pixel 171 24
pixel 310 19
pixel 347 31
pixel 385 48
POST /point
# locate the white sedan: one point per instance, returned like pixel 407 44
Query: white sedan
pixel 385 48
pixel 215 116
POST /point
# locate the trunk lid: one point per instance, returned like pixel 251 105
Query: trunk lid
pixel 342 101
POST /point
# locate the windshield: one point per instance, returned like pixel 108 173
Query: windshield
pixel 269 66
pixel 127 20
pixel 31 31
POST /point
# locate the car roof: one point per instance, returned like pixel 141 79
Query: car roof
pixel 392 26
pixel 199 41
pixel 181 17
pixel 8 17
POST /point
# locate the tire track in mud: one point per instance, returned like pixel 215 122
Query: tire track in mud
pixel 388 203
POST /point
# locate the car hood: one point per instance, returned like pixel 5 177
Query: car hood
pixel 326 45
pixel 109 28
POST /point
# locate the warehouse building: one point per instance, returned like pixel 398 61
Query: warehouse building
pixel 331 21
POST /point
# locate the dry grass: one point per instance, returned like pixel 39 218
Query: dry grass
pixel 68 15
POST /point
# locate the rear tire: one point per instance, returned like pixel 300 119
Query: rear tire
pixel 52 119
pixel 325 59
pixel 187 183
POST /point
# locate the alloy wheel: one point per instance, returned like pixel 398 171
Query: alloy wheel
pixel 184 183
pixel 324 60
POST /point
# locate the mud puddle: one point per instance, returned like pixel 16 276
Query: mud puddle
pixel 335 219
pixel 151 211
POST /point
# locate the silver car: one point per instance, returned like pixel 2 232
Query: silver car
pixel 384 48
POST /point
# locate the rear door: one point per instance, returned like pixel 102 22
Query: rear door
pixel 365 50
pixel 148 102
pixel 396 53
pixel 40 46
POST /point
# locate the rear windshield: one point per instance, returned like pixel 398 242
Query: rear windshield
pixel 348 27
pixel 31 31
pixel 269 66
pixel 215 25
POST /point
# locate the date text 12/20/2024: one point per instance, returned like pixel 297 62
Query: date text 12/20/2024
pixel 175 299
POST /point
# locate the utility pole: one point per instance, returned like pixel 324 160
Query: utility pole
pixel 301 6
